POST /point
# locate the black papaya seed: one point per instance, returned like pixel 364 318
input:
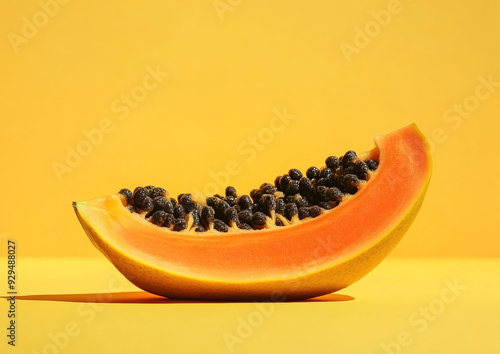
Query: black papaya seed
pixel 358 168
pixel 325 205
pixel 350 183
pixel 321 181
pixel 196 217
pixel 372 164
pixel 295 174
pixel 186 202
pixel 314 211
pixel 140 195
pixel 220 211
pixel 232 215
pixel 277 183
pixel 169 208
pixel 290 210
pixel 207 216
pixel 158 218
pixel 321 193
pixel 267 188
pixel 305 186
pixel 159 203
pixel 300 201
pixel 169 221
pixel 303 213
pixel 157 192
pixel 230 200
pixel 348 158
pixel 231 192
pixel 325 173
pixel 179 224
pixel 334 194
pixel 244 226
pixel 293 187
pixel 259 219
pixel 147 205
pixel 361 169
pixel 330 181
pixel 179 211
pixel 285 179
pixel 254 208
pixel 244 202
pixel 255 194
pixel 267 203
pixel 212 202
pixel 332 162
pixel 219 225
pixel 127 194
pixel 280 206
pixel 312 172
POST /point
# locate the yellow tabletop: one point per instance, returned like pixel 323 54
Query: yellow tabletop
pixel 84 305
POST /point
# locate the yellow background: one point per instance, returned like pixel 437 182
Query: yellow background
pixel 227 74
pixel 230 70
pixel 429 306
pixel 225 79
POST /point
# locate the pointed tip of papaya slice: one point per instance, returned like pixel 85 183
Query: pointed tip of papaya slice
pixel 309 258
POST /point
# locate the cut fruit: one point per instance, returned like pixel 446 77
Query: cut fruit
pixel 311 257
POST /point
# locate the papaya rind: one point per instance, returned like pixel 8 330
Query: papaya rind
pixel 307 280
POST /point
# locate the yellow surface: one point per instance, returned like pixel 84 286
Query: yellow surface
pixel 234 69
pixel 428 305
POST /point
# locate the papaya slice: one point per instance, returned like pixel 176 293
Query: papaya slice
pixel 308 258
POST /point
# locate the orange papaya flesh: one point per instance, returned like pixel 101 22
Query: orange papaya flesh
pixel 307 259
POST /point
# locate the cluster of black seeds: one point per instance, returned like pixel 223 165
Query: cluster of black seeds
pixel 293 196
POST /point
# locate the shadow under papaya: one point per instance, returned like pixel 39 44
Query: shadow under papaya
pixel 142 297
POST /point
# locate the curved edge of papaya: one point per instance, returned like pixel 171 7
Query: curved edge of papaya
pixel 303 286
pixel 306 282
